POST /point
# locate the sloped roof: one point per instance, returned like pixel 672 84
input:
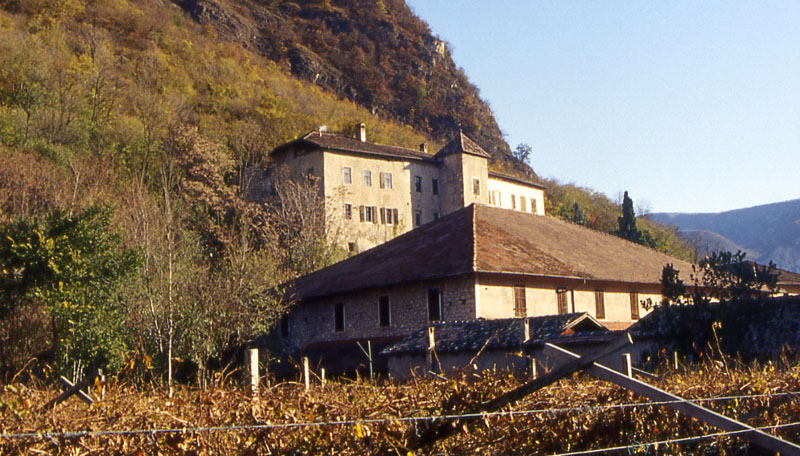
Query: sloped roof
pixel 345 144
pixel 471 336
pixel 462 144
pixel 480 238
pixel 515 179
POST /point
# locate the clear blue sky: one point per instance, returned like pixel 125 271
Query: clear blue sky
pixel 690 106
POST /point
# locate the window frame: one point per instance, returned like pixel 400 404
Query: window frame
pixel 563 301
pixel 387 322
pixel 339 314
pixel 367 178
pixel 600 304
pixel 348 211
pixel 523 206
pixel 386 181
pixel 347 175
pixel 635 314
pixel 476 186
pixel 418 184
pixel 418 218
pixel 520 301
pixel 434 186
pixel 438 307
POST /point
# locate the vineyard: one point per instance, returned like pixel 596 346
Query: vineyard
pixel 355 416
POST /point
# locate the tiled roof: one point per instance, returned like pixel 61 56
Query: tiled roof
pixel 462 144
pixel 471 336
pixel 518 180
pixel 343 143
pixel 480 238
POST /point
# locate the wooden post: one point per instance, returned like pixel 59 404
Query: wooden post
pixel 675 355
pixel 369 355
pixel 75 389
pixel 627 368
pixel 678 403
pixel 306 380
pixel 534 373
pixel 322 375
pixel 431 347
pixel 251 360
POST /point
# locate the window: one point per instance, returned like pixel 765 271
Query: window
pixel 435 186
pixel 476 186
pixel 417 218
pixel 386 216
pixel 352 247
pixel 347 175
pixel 494 198
pixel 418 184
pixel 520 309
pixel 384 312
pixel 434 304
pixel 436 216
pixel 533 205
pixel 599 304
pixel 367 178
pixel 285 326
pixel 338 317
pixel 634 305
pixel 369 214
pixel 348 211
pixel 522 206
pixel 561 294
pixel 513 202
pixel 386 180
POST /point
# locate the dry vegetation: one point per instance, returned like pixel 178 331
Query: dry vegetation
pixel 591 422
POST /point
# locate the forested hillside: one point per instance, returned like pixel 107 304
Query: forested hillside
pixel 126 128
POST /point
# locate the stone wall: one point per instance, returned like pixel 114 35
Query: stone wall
pixel 313 321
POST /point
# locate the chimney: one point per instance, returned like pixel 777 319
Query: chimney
pixel 526 330
pixel 423 147
pixel 362 132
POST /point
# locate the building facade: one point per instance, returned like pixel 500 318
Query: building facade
pixel 375 192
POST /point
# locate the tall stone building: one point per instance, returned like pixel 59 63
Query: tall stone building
pixel 374 192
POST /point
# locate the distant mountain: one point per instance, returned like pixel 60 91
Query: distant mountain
pixel 767 232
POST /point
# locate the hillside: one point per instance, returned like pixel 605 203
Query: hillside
pixel 769 232
pixel 375 53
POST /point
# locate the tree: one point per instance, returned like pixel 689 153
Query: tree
pixel 627 223
pixel 75 268
pixel 522 152
pixel 577 215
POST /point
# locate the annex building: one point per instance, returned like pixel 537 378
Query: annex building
pixel 375 192
pixel 478 262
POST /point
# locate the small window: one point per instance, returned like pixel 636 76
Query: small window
pixel 418 184
pixel 523 204
pixel 436 216
pixel 435 186
pixel 347 175
pixel 513 202
pixel 561 295
pixel 599 304
pixel 434 304
pixel 384 312
pixel 285 326
pixel 417 218
pixel 386 180
pixel 634 305
pixel 348 211
pixel 520 308
pixel 338 317
pixel 352 247
pixel 389 219
pixel 533 205
pixel 367 178
pixel 476 186
pixel 368 214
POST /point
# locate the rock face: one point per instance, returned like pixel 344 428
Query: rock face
pixel 375 53
pixel 767 232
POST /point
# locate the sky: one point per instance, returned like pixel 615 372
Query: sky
pixel 690 106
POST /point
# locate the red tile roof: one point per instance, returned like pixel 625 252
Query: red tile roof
pixel 485 239
pixel 462 144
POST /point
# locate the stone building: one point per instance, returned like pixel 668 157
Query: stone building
pixel 374 192
pixel 478 262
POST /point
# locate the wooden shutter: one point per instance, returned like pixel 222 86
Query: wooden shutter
pixel 634 305
pixel 396 220
pixel 520 307
pixel 562 300
pixel 380 175
pixel 600 304
pixel 361 212
pixel 383 216
pixel 374 214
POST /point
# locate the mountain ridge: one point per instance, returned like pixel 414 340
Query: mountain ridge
pixel 770 232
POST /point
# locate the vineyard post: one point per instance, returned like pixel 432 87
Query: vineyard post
pixel 306 380
pixel 431 347
pixel 534 374
pixel 322 376
pixel 251 360
pixel 627 368
pixel 369 355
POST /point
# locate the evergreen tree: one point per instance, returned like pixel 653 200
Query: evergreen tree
pixel 627 223
pixel 578 216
